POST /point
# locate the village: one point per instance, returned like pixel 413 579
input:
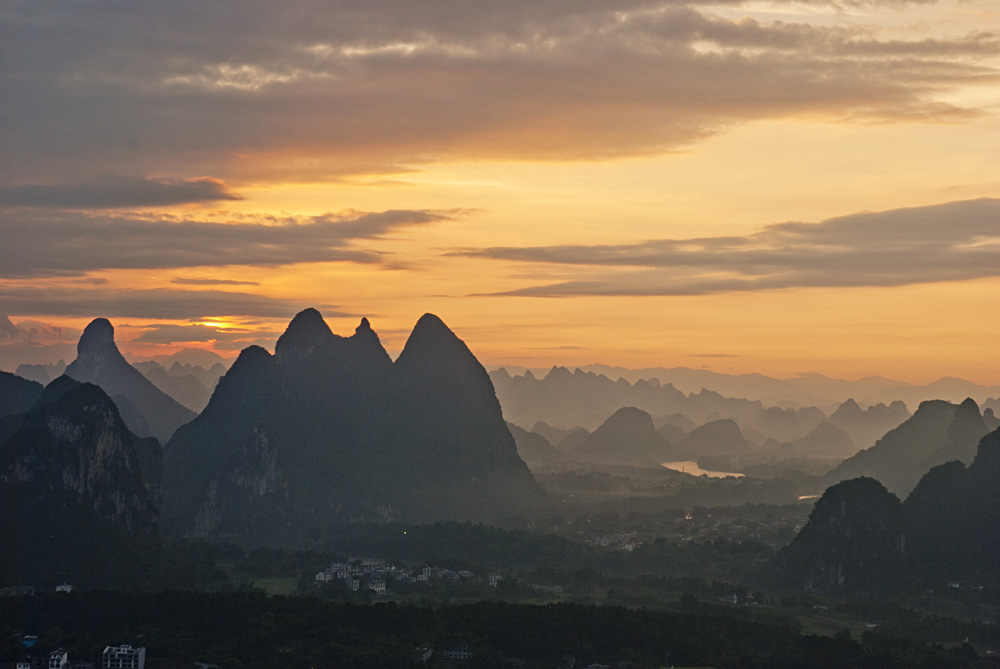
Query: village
pixel 376 576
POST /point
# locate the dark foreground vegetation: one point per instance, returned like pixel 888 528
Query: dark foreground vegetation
pixel 252 630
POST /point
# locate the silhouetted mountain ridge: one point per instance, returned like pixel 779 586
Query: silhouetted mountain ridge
pixel 329 429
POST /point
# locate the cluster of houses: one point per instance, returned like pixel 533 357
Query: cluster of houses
pixel 114 657
pixel 375 575
pixel 621 541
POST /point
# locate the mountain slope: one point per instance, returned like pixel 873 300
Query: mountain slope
pixel 78 488
pixel 146 409
pixel 937 432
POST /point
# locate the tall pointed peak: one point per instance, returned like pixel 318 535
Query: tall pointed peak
pixel 363 327
pixel 429 324
pixel 306 330
pixel 308 321
pixel 433 345
pixel 430 333
pixel 97 336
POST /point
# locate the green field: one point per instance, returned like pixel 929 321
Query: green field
pixel 277 586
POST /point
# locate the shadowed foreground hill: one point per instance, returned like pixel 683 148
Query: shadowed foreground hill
pixel 329 430
pixel 77 487
pixel 854 540
pixel 861 538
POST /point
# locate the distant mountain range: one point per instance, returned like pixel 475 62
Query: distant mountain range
pixel 802 390
pixel 586 399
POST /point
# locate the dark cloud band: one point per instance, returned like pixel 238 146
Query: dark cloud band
pixel 112 192
pixel 159 304
pixel 70 243
pixel 325 90
pixel 955 241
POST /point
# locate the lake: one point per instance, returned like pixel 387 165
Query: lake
pixel 690 467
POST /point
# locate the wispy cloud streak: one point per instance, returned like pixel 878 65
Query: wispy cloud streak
pixel 948 242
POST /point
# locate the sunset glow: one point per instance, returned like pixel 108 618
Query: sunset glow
pixel 774 187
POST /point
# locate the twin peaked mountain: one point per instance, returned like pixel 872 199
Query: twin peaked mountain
pixel 329 429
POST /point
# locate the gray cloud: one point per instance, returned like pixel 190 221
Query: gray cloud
pixel 35 333
pixel 153 89
pixel 158 304
pixel 114 191
pixel 947 242
pixel 44 243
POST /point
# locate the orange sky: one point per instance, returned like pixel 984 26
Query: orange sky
pixel 563 183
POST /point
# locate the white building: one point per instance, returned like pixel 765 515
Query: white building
pixel 58 659
pixel 457 653
pixel 124 657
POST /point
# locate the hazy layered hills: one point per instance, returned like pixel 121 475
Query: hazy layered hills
pixel 74 481
pixel 861 537
pixel 330 429
pixel 803 389
pixel 190 385
pixel 937 432
pixel 626 437
pixel 146 409
pixel 585 399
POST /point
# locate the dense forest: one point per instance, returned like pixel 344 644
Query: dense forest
pixel 252 630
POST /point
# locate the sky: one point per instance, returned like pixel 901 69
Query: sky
pixel 773 187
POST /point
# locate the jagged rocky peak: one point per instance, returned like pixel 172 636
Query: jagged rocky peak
pixel 308 337
pixel 368 347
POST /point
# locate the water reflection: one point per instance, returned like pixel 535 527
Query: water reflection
pixel 691 467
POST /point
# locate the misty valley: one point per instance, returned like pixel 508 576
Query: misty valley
pixel 328 505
